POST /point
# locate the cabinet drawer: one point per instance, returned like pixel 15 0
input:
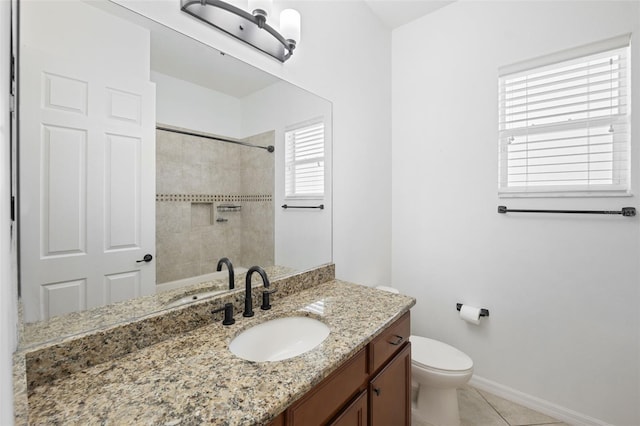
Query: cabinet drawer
pixel 389 342
pixel 326 399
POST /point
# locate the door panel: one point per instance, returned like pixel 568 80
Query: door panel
pixel 124 286
pixel 122 179
pixel 87 185
pixel 65 93
pixel 63 297
pixel 64 230
pixel 124 106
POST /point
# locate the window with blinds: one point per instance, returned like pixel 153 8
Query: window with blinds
pixel 304 161
pixel 564 124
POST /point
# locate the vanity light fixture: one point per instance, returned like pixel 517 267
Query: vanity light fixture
pixel 252 28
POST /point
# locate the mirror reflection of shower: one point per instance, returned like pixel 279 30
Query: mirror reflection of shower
pixel 217 199
pixel 214 199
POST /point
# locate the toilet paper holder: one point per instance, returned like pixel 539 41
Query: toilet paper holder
pixel 483 312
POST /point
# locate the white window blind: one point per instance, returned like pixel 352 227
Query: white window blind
pixel 304 161
pixel 564 127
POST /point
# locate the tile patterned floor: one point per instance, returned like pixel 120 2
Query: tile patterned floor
pixel 479 408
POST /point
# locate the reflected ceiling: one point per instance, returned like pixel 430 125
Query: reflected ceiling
pixel 394 13
pixel 178 56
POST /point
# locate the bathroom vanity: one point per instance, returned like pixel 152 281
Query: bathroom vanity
pixel 360 374
pixel 373 387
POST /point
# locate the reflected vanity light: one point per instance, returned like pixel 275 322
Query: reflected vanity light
pixel 252 28
pixel 315 307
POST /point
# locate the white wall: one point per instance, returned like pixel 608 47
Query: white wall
pixel 8 336
pixel 351 68
pixel 53 28
pixel 303 237
pixel 563 291
pixel 184 104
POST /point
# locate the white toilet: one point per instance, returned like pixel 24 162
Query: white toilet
pixel 437 370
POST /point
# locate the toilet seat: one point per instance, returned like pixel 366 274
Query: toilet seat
pixel 434 355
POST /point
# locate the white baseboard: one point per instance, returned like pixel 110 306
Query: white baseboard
pixel 540 405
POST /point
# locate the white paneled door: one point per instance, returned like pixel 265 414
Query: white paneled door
pixel 87 186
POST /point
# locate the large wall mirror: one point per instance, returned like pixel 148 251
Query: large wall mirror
pixel 137 140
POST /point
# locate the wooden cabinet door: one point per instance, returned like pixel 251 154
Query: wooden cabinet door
pixel 324 401
pixel 355 414
pixel 278 421
pixel 390 392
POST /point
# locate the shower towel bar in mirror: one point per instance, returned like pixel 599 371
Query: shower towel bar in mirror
pixel 286 206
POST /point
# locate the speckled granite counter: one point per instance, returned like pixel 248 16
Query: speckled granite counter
pixel 35 334
pixel 193 378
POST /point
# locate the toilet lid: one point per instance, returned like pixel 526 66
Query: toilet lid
pixel 430 353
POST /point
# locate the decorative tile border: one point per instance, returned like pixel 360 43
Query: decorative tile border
pixel 209 198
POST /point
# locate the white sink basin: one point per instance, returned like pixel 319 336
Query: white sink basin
pixel 279 339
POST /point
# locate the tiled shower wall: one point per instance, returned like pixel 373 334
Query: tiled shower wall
pixel 195 179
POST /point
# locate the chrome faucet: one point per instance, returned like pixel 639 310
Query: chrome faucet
pixel 248 300
pixel 232 277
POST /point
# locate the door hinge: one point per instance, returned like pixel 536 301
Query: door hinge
pixel 13 68
pixel 12 88
pixel 13 75
pixel 13 208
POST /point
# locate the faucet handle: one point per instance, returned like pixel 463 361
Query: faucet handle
pixel 266 305
pixel 228 314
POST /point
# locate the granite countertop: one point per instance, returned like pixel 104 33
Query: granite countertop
pixel 35 334
pixel 193 378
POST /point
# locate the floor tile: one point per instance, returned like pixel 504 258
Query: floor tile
pixel 479 408
pixel 416 421
pixel 475 411
pixel 515 414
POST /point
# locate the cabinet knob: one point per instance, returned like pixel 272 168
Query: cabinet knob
pixel 397 341
pixel 377 391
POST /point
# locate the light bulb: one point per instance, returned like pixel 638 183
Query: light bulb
pixel 290 25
